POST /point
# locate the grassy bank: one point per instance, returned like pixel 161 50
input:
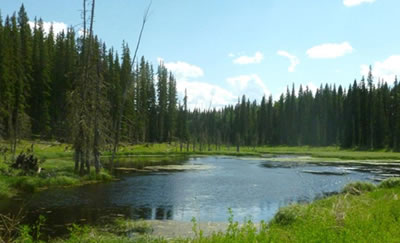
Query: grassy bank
pixel 361 213
pixel 57 170
pixel 52 150
pixel 317 152
pixel 55 173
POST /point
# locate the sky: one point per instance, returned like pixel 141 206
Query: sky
pixel 220 50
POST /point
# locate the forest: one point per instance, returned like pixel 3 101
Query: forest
pixel 71 86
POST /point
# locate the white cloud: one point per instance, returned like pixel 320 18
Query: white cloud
pixel 386 70
pixel 312 87
pixel 294 61
pixel 203 95
pixel 183 70
pixel 257 58
pixel 352 3
pixel 330 50
pixel 57 26
pixel 200 94
pixel 250 85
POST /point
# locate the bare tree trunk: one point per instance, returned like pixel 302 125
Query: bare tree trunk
pixel 96 142
pixel 13 123
pixel 237 143
pixel 87 161
pixel 121 110
pixel 77 156
pixel 82 164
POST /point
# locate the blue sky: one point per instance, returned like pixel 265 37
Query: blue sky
pixel 222 49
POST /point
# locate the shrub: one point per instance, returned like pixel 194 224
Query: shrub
pixel 287 215
pixel 27 163
pixel 25 235
pixel 357 188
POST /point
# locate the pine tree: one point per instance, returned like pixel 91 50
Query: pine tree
pixel 152 107
pixel 4 89
pixel 142 99
pixel 162 91
pixel 16 89
pixel 172 101
pixel 371 106
pixel 40 89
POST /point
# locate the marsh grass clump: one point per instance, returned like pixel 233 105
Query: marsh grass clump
pixel 390 183
pixel 357 188
pixel 62 181
pixel 26 183
pixel 288 215
pixel 101 176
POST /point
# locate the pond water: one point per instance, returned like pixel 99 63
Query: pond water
pixel 252 188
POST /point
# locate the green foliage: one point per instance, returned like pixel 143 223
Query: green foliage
pixel 390 183
pixel 77 233
pixel 25 235
pixel 38 227
pixel 357 188
pixel 102 176
pixel 287 215
pixel 5 190
pixel 84 234
pixel 196 229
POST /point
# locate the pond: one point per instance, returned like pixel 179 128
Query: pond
pixel 252 188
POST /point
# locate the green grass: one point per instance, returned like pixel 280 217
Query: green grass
pixel 318 152
pixel 6 190
pixel 55 173
pixel 54 150
pixel 372 215
pixel 369 217
pixel 357 188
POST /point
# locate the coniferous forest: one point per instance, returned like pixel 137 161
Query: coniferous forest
pixel 43 95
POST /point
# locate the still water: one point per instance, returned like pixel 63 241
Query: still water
pixel 252 188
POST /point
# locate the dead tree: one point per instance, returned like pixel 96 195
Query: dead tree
pixel 118 124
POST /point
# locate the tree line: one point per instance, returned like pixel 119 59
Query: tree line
pixel 72 88
pixel 366 115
